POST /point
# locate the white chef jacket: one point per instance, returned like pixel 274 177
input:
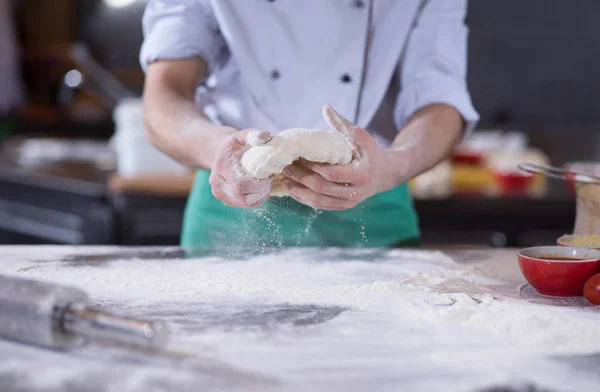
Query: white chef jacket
pixel 274 63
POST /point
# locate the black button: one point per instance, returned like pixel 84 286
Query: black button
pixel 358 3
pixel 346 78
pixel 271 1
pixel 275 74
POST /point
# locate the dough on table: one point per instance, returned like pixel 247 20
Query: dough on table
pixel 315 145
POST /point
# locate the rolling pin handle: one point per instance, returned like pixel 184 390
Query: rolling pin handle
pixel 96 325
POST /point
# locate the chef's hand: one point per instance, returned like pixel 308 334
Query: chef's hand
pixel 340 187
pixel 230 182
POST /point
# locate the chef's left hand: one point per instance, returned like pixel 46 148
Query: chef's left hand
pixel 340 187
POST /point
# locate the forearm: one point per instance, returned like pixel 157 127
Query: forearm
pixel 426 140
pixel 176 126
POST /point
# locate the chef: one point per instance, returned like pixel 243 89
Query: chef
pixel 226 74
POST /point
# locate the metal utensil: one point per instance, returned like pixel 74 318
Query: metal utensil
pixel 561 174
pixel 105 81
pixel 91 77
pixel 61 317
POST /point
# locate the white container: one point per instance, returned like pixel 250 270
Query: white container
pixel 136 155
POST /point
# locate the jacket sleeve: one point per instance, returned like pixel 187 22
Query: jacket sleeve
pixel 434 66
pixel 181 29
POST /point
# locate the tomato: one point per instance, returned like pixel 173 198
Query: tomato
pixel 591 290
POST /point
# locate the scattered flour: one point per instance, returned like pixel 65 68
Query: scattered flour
pixel 410 315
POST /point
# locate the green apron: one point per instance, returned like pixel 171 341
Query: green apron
pixel 384 220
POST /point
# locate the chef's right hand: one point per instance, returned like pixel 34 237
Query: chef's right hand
pixel 230 182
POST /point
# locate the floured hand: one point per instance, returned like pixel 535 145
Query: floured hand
pixel 340 187
pixel 230 182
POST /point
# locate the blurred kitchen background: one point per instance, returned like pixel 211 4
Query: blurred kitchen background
pixel 75 167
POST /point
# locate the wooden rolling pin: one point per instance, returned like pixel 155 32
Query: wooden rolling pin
pixel 60 317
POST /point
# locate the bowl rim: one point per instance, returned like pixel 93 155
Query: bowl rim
pixel 549 249
pixel 511 173
pixel 560 240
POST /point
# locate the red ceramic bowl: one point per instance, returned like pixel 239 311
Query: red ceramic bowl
pixel 559 278
pixel 513 182
pixel 566 240
pixel 467 157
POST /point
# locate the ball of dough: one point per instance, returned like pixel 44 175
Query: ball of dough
pixel 315 145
